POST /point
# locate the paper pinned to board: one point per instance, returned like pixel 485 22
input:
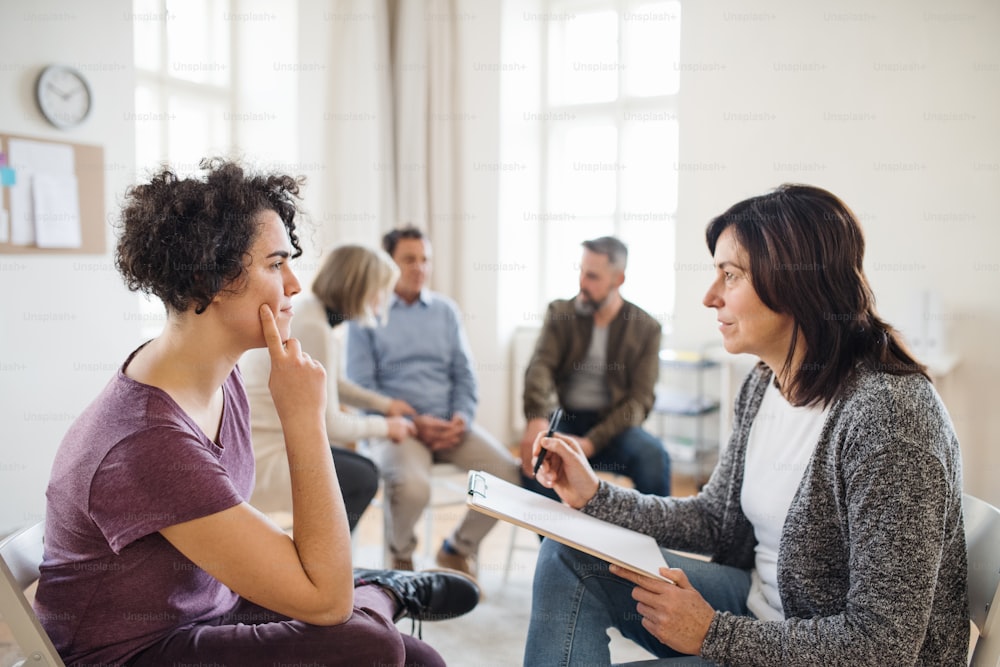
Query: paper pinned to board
pixel 57 210
pixel 45 167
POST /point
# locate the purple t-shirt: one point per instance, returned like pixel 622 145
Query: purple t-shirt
pixel 132 464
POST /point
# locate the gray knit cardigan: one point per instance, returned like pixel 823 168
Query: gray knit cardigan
pixel 871 564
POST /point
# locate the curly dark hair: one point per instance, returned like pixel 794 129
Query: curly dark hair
pixel 187 239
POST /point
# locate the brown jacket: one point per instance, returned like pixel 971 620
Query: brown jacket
pixel 633 366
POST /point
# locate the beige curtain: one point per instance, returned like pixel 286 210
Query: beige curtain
pixel 393 136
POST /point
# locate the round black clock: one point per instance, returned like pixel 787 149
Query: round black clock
pixel 63 95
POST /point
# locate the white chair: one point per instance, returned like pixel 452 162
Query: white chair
pixel 982 539
pixel 448 489
pixel 20 557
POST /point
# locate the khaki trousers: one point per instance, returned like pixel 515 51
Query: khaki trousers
pixel 406 473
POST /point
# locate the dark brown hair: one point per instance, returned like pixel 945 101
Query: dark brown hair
pixel 805 250
pixel 185 240
pixel 390 240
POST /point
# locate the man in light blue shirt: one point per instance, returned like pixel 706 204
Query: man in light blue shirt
pixel 422 357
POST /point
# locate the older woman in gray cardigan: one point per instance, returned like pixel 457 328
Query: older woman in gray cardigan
pixel 834 519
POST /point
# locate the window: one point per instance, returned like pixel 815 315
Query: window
pixel 183 94
pixel 604 127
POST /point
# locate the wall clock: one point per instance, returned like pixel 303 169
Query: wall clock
pixel 63 95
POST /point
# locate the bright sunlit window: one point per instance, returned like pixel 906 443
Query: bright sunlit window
pixel 605 131
pixel 184 86
pixel 183 95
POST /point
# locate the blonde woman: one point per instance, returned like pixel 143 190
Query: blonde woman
pixel 353 284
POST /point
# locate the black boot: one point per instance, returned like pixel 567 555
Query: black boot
pixel 425 596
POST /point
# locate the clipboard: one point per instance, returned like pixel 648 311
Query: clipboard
pixel 502 500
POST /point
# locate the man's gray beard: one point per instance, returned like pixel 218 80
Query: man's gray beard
pixel 584 306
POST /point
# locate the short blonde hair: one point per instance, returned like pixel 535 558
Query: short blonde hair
pixel 351 277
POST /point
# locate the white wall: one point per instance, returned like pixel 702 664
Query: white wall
pixel 66 321
pixel 892 106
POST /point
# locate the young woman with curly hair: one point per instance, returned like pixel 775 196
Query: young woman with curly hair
pixel 152 554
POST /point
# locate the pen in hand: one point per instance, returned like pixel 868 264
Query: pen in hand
pixel 553 422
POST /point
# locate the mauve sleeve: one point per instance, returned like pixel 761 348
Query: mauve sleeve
pixel 154 479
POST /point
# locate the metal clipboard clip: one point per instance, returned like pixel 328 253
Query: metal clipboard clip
pixel 477 485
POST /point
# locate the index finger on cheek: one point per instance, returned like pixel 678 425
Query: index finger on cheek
pixel 270 328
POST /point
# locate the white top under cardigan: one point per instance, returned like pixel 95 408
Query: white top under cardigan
pixel 272 492
pixel 782 440
pixel 872 567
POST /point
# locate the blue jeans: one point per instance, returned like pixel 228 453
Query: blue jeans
pixel 576 599
pixel 634 453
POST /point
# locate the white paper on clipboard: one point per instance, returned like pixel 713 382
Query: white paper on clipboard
pixel 502 500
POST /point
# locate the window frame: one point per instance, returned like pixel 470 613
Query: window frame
pixel 619 112
pixel 166 87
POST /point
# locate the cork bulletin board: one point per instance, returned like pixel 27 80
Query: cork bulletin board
pixel 87 165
